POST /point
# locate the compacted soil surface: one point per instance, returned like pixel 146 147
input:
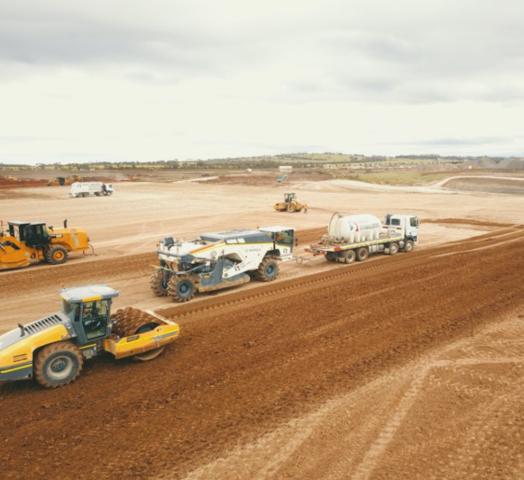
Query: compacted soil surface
pixel 408 367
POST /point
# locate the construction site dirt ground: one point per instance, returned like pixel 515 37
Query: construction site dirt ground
pixel 400 367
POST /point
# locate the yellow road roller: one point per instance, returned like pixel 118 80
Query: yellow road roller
pixel 52 350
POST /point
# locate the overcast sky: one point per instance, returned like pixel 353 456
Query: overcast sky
pixel 163 79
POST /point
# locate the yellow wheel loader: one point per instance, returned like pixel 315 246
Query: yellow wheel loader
pixel 290 204
pixel 25 243
pixel 53 350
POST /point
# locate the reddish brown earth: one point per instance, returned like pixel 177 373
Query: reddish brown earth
pixel 250 362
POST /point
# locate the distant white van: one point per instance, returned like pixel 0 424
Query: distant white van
pixel 84 189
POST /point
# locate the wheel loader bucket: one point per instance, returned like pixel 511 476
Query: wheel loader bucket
pixel 11 257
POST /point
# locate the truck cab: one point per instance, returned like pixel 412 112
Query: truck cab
pixel 407 225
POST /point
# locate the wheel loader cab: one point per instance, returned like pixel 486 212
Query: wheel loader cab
pixel 89 309
pixel 34 235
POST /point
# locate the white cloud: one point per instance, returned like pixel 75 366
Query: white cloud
pixel 149 80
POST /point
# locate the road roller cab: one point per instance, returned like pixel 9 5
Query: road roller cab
pixel 89 310
pixel 53 349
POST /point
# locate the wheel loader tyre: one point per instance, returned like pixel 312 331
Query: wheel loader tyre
pixel 56 255
pixel 157 283
pixel 267 270
pixel 58 364
pixel 181 290
pixel 349 256
pixel 362 254
pixel 408 246
pixel 393 248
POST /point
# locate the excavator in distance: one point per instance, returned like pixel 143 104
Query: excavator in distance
pixel 25 243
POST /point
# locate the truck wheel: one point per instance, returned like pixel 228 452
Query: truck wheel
pixel 267 270
pixel 408 246
pixel 56 255
pixel 393 248
pixel 181 290
pixel 331 257
pixel 158 283
pixel 362 254
pixel 349 256
pixel 58 364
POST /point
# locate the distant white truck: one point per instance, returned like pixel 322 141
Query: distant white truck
pixel 85 189
pixel 355 237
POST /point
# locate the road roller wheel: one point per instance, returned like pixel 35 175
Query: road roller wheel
pixel 132 321
pixel 58 364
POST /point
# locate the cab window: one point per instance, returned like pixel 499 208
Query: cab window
pixel 413 221
pixel 95 318
pixel 285 237
pixel 395 221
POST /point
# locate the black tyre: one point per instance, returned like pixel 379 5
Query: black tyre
pixel 362 254
pixel 393 248
pixel 158 282
pixel 56 255
pixel 349 256
pixel 331 257
pixel 58 364
pixel 408 246
pixel 181 289
pixel 267 270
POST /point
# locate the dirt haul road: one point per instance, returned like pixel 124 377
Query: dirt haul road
pixel 322 359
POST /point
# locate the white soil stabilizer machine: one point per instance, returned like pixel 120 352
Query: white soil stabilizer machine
pixel 220 260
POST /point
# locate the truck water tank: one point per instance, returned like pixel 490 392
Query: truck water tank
pixel 353 228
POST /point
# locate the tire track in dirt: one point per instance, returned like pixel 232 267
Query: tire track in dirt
pixel 243 369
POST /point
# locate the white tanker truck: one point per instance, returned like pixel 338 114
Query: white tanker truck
pixel 220 260
pixel 355 237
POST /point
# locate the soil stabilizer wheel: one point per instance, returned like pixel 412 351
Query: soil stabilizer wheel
pixel 267 270
pixel 181 289
pixel 58 364
pixel 158 283
pixel 56 255
pixel 291 208
pixel 130 321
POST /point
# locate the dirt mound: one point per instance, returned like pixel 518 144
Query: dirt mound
pixel 488 185
pixel 14 182
pixel 245 367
